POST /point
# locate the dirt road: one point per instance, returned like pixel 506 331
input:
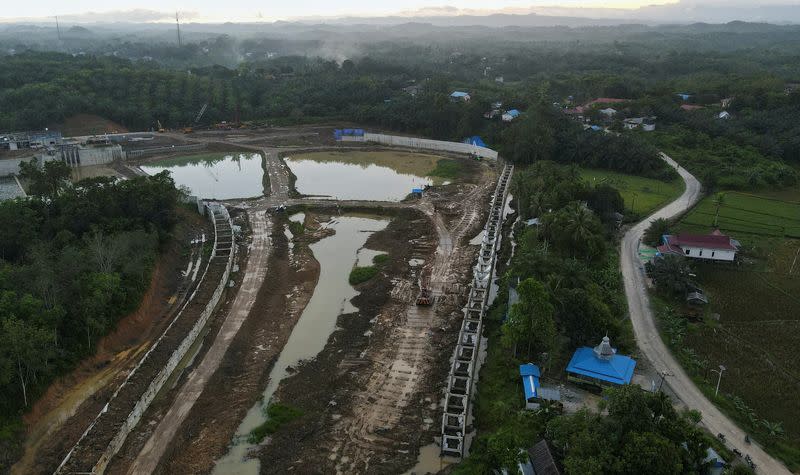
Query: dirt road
pixel 148 458
pixel 648 339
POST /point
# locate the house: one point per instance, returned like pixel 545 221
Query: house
pixel 600 366
pixel 690 107
pixel 510 115
pixel 726 102
pixel 542 459
pixel 608 112
pixel 532 388
pixel 497 105
pixel 413 89
pixel 459 96
pixel 685 96
pixel 715 246
pixel 594 128
pixel 715 463
pixel 645 123
pixel 725 115
pixel 499 80
pixel 492 114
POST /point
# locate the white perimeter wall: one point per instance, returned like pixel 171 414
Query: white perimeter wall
pixel 427 144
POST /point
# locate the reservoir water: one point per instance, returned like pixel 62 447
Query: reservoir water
pixel 362 175
pixel 221 176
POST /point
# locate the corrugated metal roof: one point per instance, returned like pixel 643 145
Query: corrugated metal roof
pixel 618 369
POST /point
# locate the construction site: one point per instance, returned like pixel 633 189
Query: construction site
pixel 266 312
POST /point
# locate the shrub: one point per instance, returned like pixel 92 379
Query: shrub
pixel 360 275
pixel 277 416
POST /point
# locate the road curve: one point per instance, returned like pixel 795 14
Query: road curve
pixel 650 343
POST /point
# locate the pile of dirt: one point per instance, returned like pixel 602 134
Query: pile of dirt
pixel 88 124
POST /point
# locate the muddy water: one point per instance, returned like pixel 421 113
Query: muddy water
pixel 219 176
pixel 345 179
pixel 336 255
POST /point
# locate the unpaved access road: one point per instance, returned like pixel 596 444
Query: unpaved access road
pixel 150 455
pixel 649 340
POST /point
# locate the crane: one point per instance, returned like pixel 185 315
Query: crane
pixel 200 114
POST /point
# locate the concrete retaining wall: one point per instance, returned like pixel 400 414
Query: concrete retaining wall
pixel 427 144
pixel 133 154
pixel 158 382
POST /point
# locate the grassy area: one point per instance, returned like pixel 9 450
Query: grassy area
pixel 380 259
pixel 746 216
pixel 641 195
pixel 361 274
pixel 447 169
pixel 296 228
pixel 277 416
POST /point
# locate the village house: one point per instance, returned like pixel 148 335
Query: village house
pixel 715 246
pixel 532 388
pixel 725 115
pixel 608 112
pixel 647 124
pixel 726 102
pixel 510 115
pixel 600 366
pixel 459 96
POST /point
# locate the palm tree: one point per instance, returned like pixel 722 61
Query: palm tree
pixel 774 429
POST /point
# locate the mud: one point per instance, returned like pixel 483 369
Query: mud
pixel 238 383
pixel 60 416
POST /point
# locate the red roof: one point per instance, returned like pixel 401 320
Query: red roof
pixel 669 249
pixel 715 240
pixel 690 107
pixel 605 100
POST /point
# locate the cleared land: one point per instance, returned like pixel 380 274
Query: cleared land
pixel 641 195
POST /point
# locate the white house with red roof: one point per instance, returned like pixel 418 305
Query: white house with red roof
pixel 715 246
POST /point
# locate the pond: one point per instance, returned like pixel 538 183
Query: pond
pixel 363 175
pixel 337 254
pixel 221 176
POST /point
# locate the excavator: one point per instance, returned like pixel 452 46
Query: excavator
pixel 160 127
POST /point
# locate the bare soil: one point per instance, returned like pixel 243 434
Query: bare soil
pixel 58 418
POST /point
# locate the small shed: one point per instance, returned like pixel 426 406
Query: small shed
pixel 532 389
pixel 542 459
pixel 459 96
pixel 510 115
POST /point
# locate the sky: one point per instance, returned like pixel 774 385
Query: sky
pixel 271 10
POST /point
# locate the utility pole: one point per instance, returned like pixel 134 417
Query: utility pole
pixel 720 371
pixel 178 26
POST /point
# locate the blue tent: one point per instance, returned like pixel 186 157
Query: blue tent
pixel 601 364
pixel 459 94
pixel 530 380
pixel 513 113
pixel 475 140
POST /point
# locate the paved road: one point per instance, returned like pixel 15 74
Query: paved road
pixel 648 339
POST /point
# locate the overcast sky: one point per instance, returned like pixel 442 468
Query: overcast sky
pixel 252 10
pixel 271 10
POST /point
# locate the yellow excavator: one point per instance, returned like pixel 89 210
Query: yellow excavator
pixel 160 127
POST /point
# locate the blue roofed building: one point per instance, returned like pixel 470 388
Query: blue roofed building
pixel 600 366
pixel 510 115
pixel 532 388
pixel 460 96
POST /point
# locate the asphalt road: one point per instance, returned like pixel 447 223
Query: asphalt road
pixel 649 341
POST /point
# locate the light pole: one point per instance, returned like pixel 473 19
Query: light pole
pixel 720 371
pixel 664 375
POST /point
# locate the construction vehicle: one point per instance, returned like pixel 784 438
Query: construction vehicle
pixel 425 297
pixel 160 127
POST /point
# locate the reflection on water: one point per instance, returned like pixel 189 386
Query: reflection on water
pixel 351 181
pixel 220 176
pixel 336 255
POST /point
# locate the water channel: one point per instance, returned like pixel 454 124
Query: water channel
pixel 221 176
pixel 336 255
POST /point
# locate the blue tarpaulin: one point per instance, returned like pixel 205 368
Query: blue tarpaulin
pixel 475 140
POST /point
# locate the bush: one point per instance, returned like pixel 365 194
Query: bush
pixel 380 259
pixel 446 168
pixel 360 275
pixel 277 416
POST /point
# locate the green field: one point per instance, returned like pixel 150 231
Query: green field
pixel 641 195
pixel 746 216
